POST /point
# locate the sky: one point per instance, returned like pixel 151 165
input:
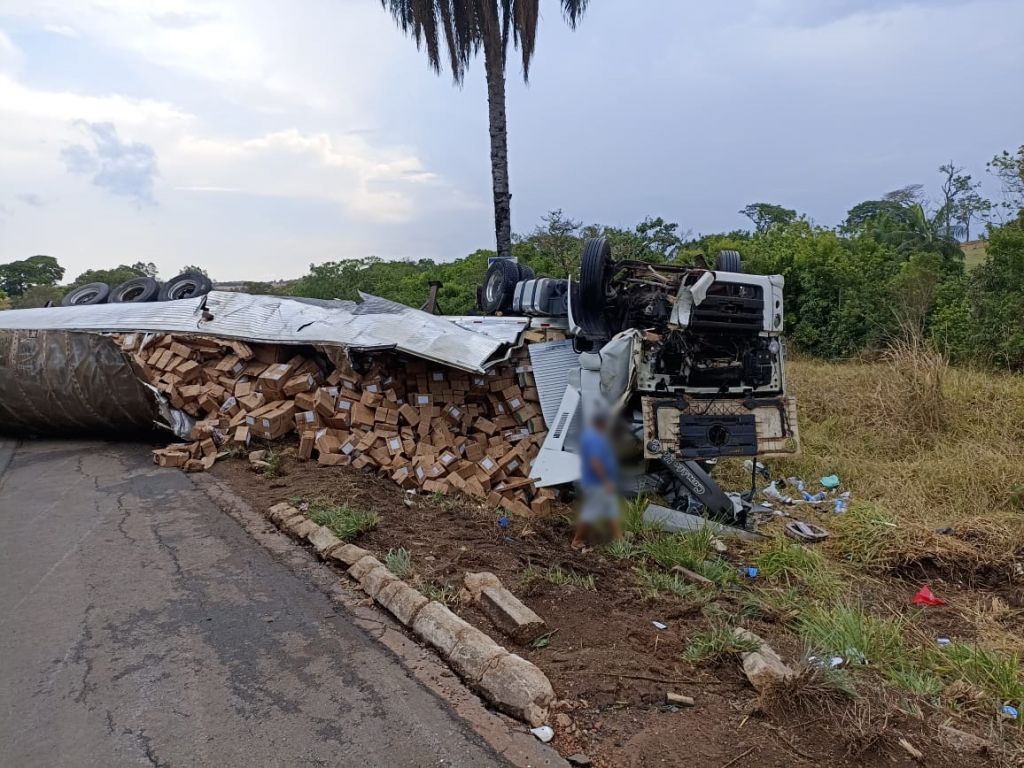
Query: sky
pixel 255 138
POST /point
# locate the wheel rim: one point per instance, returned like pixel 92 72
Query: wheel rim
pixel 85 298
pixel 131 294
pixel 183 291
pixel 493 289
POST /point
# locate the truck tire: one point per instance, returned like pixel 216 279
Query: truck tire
pixel 187 285
pixel 595 272
pixel 728 261
pixel 84 295
pixel 135 291
pixel 526 273
pixel 500 286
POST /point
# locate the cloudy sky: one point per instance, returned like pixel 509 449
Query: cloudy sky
pixel 256 137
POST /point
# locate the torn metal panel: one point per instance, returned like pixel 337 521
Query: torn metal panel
pixel 373 323
pixel 504 329
pixel 552 362
pixel 674 520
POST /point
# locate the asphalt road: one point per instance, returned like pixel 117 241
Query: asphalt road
pixel 140 626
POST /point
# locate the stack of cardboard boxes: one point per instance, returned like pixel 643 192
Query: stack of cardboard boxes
pixel 425 426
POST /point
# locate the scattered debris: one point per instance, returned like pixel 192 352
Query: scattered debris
pixel 749 571
pixel 925 596
pixel 830 481
pixel 679 699
pixel 764 666
pixel 808 532
pixel 911 750
pixel 944 642
pixel 427 427
pixel 659 625
pixel 545 733
pixel 1009 712
pixel 692 577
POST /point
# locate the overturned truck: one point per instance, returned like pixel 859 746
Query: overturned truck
pixel 690 357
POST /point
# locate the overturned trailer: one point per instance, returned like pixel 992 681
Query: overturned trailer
pixel 690 357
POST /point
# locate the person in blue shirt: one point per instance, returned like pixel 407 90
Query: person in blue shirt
pixel 599 475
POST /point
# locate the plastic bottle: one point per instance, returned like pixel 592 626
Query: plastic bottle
pixel 821 496
pixel 841 505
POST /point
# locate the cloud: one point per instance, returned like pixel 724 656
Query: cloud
pixel 126 169
pixel 182 20
pixel 30 199
pixel 64 30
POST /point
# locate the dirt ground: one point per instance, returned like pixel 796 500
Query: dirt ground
pixel 609 665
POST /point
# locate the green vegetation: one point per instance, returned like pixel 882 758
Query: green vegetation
pixel 692 550
pixel 399 562
pixel 345 522
pixel 445 594
pixel 717 642
pixel 558 576
pixel 654 583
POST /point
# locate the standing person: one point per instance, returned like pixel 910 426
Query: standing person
pixel 598 477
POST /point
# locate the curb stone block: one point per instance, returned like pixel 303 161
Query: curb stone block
pixel 363 566
pixel 517 687
pixel 475 583
pixel 300 529
pixel 348 554
pixel 402 601
pixel 473 654
pixel 280 512
pixel 323 539
pixel 511 615
pixel 374 580
pixel 438 627
pixel 286 521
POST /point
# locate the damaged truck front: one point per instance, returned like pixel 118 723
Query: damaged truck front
pixel 691 357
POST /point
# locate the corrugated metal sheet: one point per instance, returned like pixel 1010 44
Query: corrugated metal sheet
pixel 504 329
pixel 374 323
pixel 552 361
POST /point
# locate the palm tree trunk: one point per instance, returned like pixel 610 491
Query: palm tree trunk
pixel 495 66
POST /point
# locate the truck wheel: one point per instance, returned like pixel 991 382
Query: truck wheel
pixel 728 261
pixel 526 273
pixel 185 286
pixel 135 291
pixel 83 295
pixel 500 286
pixel 595 272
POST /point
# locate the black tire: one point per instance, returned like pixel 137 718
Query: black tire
pixel 595 272
pixel 187 285
pixel 728 261
pixel 500 286
pixel 135 291
pixel 526 273
pixel 84 295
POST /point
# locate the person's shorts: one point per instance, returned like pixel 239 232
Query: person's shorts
pixel 599 504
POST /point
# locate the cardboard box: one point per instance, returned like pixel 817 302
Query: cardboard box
pixel 306 443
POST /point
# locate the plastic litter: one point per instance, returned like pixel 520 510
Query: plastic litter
pixel 814 497
pixel 503 522
pixel 925 596
pixel 944 642
pixel 840 506
pixel 771 491
pixel 749 571
pixel 762 470
pixel 545 733
pixel 806 532
pixel 1009 712
pixel 830 481
pixel 659 625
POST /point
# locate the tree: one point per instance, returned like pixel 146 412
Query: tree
pixel 905 196
pixel 463 27
pixel 38 296
pixel 18 276
pixel 961 202
pixel 556 244
pixel 767 215
pixel 194 269
pixel 1009 169
pixel 117 275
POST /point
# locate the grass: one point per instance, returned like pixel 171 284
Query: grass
pixel 692 550
pixel 399 562
pixel 345 522
pixel 792 564
pixel 1001 676
pixel 557 576
pixel 622 549
pixel 850 631
pixel 654 583
pixel 715 643
pixel 445 594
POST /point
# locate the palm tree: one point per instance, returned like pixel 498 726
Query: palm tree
pixel 463 27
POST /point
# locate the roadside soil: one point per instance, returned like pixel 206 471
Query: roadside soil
pixel 609 665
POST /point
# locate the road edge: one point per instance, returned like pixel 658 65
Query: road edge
pixel 509 738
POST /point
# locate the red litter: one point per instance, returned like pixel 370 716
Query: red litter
pixel 925 596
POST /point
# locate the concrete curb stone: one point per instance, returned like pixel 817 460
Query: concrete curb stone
pixel 376 579
pixel 517 687
pixel 323 540
pixel 401 601
pixel 363 566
